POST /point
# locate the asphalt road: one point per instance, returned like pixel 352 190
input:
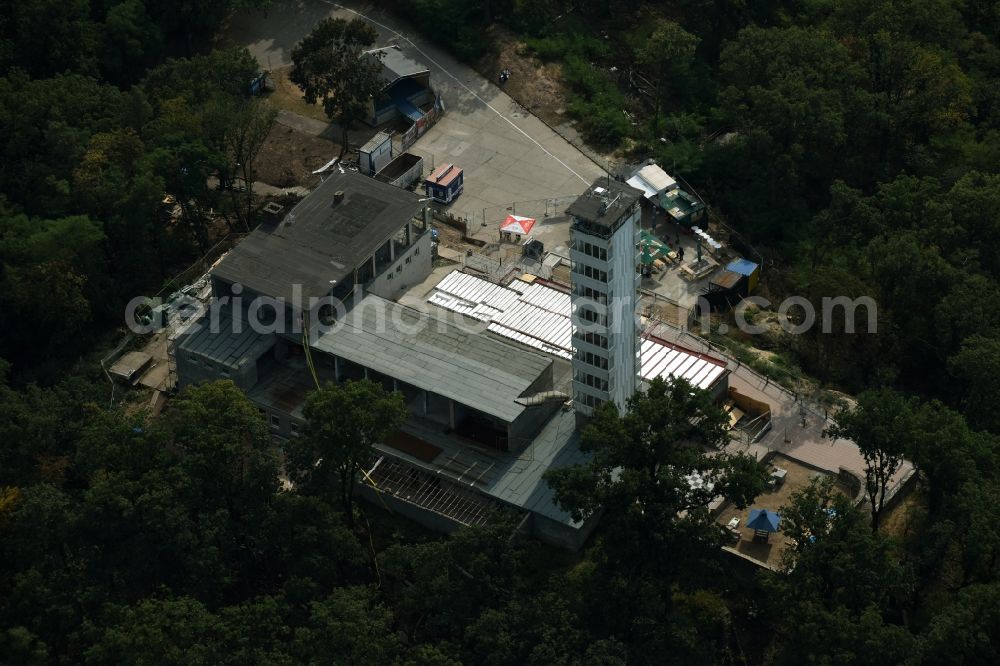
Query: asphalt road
pixel 510 158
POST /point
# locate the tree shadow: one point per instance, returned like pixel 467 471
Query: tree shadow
pixel 758 550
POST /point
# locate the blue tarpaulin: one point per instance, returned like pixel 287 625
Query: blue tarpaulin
pixel 742 266
pixel 410 111
pixel 747 268
pixel 763 520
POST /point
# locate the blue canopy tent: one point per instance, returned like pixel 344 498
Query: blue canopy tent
pixel 763 522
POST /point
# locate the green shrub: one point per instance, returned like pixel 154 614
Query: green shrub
pixel 597 103
pixel 458 24
pixel 573 41
pixel 532 17
pixel 601 122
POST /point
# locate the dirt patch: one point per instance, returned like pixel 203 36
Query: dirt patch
pixel 797 476
pixel 905 516
pixel 289 157
pixel 450 237
pixel 287 96
pixel 137 402
pixel 535 85
pixel 667 312
pixel 157 375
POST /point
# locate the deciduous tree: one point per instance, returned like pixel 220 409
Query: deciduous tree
pixel 342 423
pixel 975 368
pixel 642 459
pixel 249 123
pixel 349 626
pixel 668 53
pixel 166 631
pixel 881 424
pixel 329 67
pixel 840 583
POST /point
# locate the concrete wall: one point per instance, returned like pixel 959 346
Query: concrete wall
pixel 381 116
pixel 855 483
pixel 283 428
pixel 622 288
pixel 744 567
pixel 558 534
pixel 194 369
pixel 421 98
pixel 899 492
pixel 623 256
pixel 539 527
pixel 524 429
pixel 402 274
pixel 721 389
pixel 429 519
pixel 439 409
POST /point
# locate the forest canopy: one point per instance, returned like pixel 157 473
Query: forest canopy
pixel 856 143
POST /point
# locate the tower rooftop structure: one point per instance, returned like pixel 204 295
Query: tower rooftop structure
pixel 605 204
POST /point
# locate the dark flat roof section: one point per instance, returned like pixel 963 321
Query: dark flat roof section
pixel 472 368
pixel 397 65
pixel 604 202
pixel 320 242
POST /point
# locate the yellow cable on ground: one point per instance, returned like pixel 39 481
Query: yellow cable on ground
pixel 312 370
pixel 306 347
pixel 378 493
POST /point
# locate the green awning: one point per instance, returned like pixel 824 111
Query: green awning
pixel 652 247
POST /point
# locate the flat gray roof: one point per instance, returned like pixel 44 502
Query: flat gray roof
pixel 471 368
pixel 374 142
pixel 225 345
pixel 513 478
pixel 397 65
pixel 130 363
pixel 319 242
pixel 591 206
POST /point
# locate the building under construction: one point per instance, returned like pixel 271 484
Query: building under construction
pixel 487 416
pixel 497 376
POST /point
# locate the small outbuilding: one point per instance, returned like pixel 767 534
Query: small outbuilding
pixel 131 367
pixel 445 183
pixel 374 155
pixel 661 190
pixel 748 269
pixel 685 209
pixel 725 290
pixel 406 87
pixel 653 181
pixel 728 287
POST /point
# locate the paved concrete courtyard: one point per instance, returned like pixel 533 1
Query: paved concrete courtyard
pixel 508 154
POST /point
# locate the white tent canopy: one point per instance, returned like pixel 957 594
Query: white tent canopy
pixel 652 180
pixel 517 224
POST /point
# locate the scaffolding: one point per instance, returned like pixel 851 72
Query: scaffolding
pixel 431 492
